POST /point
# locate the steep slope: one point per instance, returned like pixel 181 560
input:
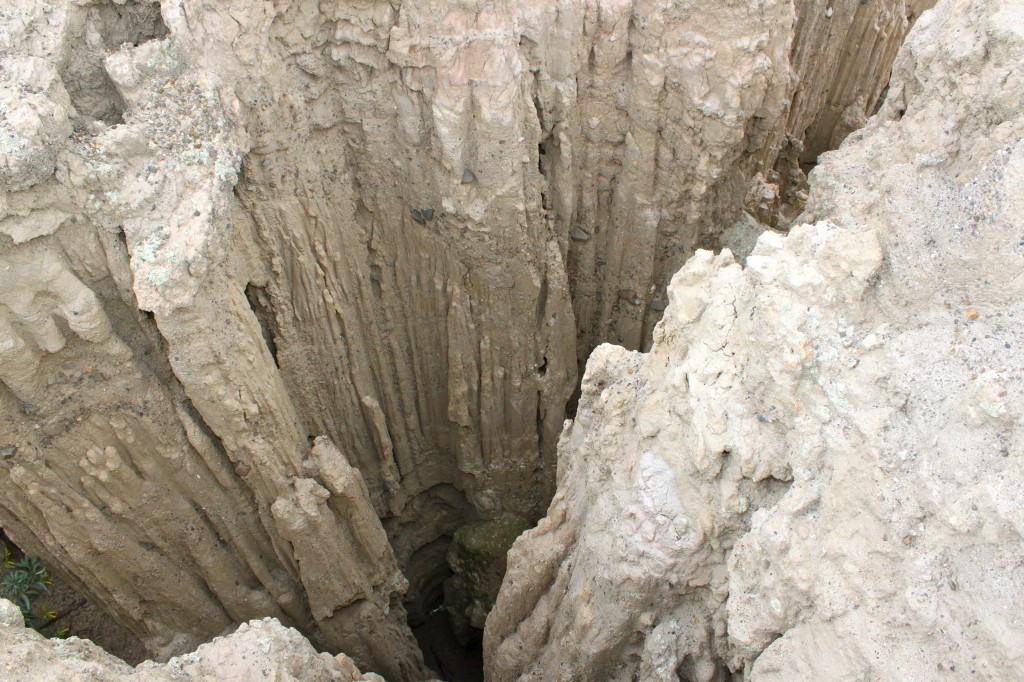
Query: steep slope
pixel 814 473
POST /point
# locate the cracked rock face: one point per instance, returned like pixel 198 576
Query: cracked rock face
pixel 290 292
pixel 815 472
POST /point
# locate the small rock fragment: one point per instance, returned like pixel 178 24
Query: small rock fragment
pixel 658 304
pixel 10 615
pixel 870 341
pixel 468 177
pixel 579 235
pixel 421 215
pixel 8 451
pixel 972 314
pixel 53 429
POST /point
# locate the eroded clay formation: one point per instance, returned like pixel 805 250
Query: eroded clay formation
pixel 291 292
pixel 815 473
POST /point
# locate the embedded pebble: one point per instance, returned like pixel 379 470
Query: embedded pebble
pixel 579 235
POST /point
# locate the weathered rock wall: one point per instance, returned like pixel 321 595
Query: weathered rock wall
pixel 814 473
pixel 270 272
pixel 683 114
pixel 841 58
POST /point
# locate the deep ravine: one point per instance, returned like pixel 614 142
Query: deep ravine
pixel 291 293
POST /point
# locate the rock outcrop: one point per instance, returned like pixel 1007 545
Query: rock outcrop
pixel 258 650
pixel 815 472
pixel 290 292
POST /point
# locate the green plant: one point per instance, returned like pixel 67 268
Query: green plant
pixel 24 580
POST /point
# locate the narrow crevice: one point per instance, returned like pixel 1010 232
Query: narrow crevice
pixel 442 652
pixel 429 619
pixel 259 302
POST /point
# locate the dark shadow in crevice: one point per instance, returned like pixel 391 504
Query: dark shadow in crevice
pixel 131 23
pixel 442 652
pixel 259 301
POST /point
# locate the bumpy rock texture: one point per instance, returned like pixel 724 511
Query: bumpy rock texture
pixel 258 650
pixel 289 292
pixel 816 471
